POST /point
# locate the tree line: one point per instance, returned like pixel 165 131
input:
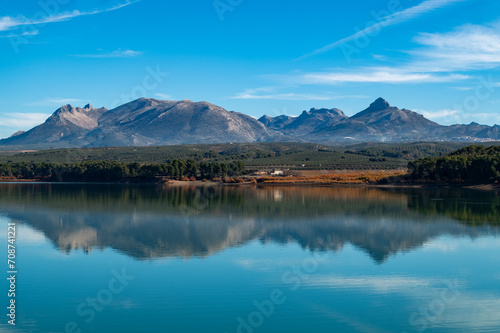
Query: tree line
pixel 107 171
pixel 469 164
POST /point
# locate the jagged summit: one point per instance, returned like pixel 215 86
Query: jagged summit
pixel 265 119
pixel 378 105
pixel 63 109
pixel 307 122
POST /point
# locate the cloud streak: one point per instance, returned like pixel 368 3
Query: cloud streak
pixel 252 94
pixel 113 54
pixel 163 96
pixel 369 75
pixel 8 23
pixel 468 47
pixel 23 120
pixel 26 33
pixel 272 93
pixel 54 102
pixel 392 19
pixel 450 116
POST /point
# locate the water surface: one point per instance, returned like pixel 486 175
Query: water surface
pixel 123 258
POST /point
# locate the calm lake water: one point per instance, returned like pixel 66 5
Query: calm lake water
pixel 118 258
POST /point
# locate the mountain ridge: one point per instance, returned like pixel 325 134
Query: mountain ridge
pixel 148 121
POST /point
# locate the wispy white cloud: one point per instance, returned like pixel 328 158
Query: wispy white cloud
pixel 370 75
pixel 23 120
pixel 10 23
pixel 462 88
pixel 438 57
pixel 251 94
pixel 163 96
pixel 26 33
pixel 113 54
pixel 53 102
pixel 439 114
pixel 468 47
pixel 450 116
pixel 392 19
pixel 273 93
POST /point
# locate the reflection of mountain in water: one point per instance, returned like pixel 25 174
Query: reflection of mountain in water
pixel 151 221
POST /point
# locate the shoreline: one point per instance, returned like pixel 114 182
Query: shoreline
pixel 182 183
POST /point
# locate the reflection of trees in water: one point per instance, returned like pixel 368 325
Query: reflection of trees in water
pixel 153 221
pixel 282 201
pixel 472 207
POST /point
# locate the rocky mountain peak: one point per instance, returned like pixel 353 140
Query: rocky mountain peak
pixel 379 104
pixel 265 119
pixel 66 108
pixel 375 108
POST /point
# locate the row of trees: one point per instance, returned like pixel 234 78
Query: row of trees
pixel 115 171
pixel 473 163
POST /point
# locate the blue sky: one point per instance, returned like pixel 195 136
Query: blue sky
pixel 440 58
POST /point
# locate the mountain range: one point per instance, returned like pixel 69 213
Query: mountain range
pixel 148 122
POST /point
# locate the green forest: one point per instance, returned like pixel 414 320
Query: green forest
pixel 107 171
pixel 469 164
pixel 362 156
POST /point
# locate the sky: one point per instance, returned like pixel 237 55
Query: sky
pixel 440 58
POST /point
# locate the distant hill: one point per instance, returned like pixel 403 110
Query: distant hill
pixel 151 122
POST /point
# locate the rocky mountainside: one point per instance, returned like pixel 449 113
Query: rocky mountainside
pixel 379 122
pixel 313 120
pixel 146 122
pixel 276 123
pixel 64 128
